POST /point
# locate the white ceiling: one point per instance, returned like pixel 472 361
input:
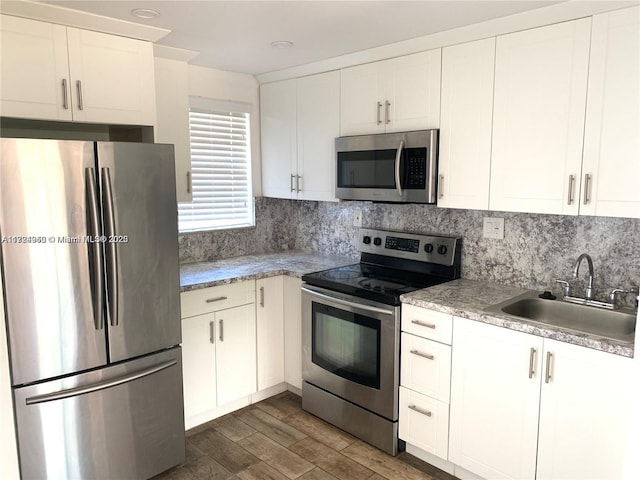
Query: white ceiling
pixel 236 35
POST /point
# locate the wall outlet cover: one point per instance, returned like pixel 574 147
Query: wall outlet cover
pixel 493 227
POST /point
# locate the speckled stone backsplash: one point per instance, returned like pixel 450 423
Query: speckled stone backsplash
pixel 536 250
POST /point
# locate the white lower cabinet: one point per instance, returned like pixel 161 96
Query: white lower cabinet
pixel 293 332
pixel 270 331
pixel 524 407
pixel 218 349
pixel 425 372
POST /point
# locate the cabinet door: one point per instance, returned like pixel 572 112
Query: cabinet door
pixel 318 125
pixel 198 365
pixel 112 78
pixel 424 422
pixel 270 331
pixel 293 331
pixel 465 125
pixel 34 70
pixel 279 138
pixel 413 92
pixel 584 413
pixel 235 353
pixel 538 121
pixel 612 139
pixel 172 105
pixel 362 99
pixel 495 392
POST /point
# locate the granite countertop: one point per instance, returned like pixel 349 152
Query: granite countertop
pixel 194 276
pixel 469 298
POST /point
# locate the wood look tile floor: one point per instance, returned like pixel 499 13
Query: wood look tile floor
pixel 276 440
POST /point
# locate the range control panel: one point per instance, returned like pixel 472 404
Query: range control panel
pixel 432 248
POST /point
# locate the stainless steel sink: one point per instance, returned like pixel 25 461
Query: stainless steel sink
pixel 614 324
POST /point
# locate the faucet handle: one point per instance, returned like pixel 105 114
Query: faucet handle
pixel 613 296
pixel 566 288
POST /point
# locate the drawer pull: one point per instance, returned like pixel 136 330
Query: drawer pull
pixel 422 354
pixel 420 410
pixel 216 299
pixel 423 324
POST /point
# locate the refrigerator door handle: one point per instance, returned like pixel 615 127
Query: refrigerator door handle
pixel 74 392
pixel 112 252
pixel 95 269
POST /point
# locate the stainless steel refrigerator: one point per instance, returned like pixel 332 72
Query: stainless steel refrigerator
pixel 91 287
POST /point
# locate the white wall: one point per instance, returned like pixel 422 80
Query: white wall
pixel 236 87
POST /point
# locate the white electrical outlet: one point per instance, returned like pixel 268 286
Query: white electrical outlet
pixel 357 218
pixel 493 227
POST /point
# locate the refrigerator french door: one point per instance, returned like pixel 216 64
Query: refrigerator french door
pixel 91 279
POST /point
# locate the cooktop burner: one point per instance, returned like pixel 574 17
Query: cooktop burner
pixel 392 264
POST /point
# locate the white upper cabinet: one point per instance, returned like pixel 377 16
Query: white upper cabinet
pixel 318 125
pixel 172 106
pixel 34 70
pixel 611 162
pixel 465 125
pixel 299 122
pixel 538 122
pixel 107 79
pixel 392 95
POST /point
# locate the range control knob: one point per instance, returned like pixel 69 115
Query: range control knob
pixel 366 240
pixel 442 249
pixel 377 241
pixel 428 247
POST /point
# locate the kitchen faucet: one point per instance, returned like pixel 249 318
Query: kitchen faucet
pixel 588 291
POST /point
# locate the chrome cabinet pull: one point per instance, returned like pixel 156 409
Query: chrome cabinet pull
pixel 587 188
pixel 80 102
pixel 572 181
pixel 532 359
pixel 221 330
pixel 378 120
pixel 291 182
pixel 441 186
pixel 262 296
pixel 189 185
pixel 423 324
pixel 422 354
pixel 65 95
pixel 387 104
pixel 215 299
pixel 211 334
pixel 298 182
pixel 547 375
pixel 420 410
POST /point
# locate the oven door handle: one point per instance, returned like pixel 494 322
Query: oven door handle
pixel 398 180
pixel 347 303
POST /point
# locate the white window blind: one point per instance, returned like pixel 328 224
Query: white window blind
pixel 220 172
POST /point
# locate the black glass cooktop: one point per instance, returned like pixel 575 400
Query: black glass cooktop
pixel 381 284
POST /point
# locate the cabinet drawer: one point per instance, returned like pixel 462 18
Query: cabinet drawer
pixel 425 366
pixel 424 422
pixel 197 302
pixel 426 323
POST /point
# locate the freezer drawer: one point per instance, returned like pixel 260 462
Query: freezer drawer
pixel 120 422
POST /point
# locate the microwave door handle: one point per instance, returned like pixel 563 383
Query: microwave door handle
pixel 398 155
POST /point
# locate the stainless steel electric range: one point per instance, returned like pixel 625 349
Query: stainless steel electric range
pixel 351 330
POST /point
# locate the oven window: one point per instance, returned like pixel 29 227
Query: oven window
pixel 367 169
pixel 346 344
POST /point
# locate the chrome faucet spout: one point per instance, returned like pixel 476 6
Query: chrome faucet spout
pixel 588 292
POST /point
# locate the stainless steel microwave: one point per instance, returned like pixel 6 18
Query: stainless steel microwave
pixel 388 167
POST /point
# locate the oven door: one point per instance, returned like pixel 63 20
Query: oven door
pixel 350 348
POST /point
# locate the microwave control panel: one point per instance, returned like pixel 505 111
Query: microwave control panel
pixel 415 163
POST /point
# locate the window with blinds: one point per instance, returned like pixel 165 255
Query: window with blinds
pixel 220 172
